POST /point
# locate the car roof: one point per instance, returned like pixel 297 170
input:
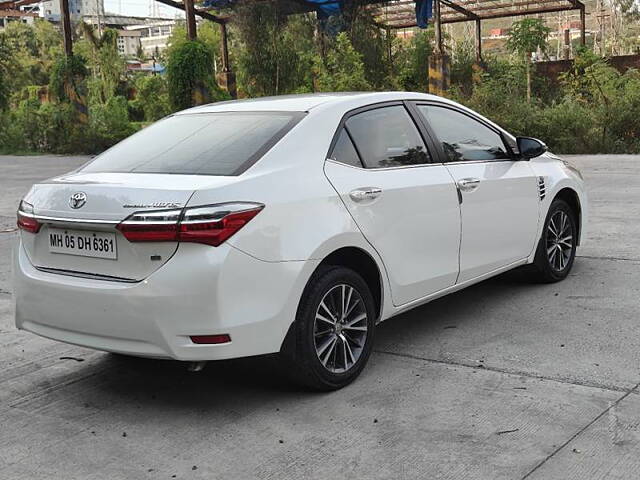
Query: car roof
pixel 307 102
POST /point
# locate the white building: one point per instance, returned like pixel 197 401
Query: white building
pixel 128 42
pixel 77 8
pixel 154 37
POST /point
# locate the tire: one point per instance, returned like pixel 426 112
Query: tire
pixel 554 258
pixel 324 354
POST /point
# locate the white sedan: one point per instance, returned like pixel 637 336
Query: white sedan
pixel 291 224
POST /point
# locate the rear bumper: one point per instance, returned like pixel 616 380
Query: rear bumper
pixel 200 291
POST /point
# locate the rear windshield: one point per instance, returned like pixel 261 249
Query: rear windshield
pixel 201 143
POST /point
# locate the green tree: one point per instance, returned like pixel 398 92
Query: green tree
pixel 525 37
pixel 275 51
pixel 375 48
pixel 412 61
pixel 103 59
pixel 32 51
pixel 208 33
pixel 190 75
pixel 67 78
pixel 6 60
pixel 343 68
pixel 152 97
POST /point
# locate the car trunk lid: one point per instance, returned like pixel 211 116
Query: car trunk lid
pixel 84 206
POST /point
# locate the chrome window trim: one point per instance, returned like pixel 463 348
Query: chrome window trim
pixel 383 169
pixel 495 160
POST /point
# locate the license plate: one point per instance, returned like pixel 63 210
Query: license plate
pixel 83 243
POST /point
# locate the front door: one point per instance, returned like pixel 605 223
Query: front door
pixel 499 195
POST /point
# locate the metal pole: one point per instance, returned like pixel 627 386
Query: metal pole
pixel 226 79
pixel 567 43
pixel 225 48
pixel 66 27
pixel 478 40
pixel 438 27
pixel 191 20
pixel 583 21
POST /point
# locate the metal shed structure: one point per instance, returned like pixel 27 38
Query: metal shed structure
pixel 388 14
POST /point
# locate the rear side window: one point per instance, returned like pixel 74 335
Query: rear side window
pixel 206 144
pixel 345 152
pixel 462 137
pixel 387 137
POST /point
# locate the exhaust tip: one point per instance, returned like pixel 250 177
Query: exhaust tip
pixel 196 366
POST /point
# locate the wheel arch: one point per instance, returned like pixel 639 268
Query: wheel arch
pixel 358 260
pixel 364 265
pixel 570 196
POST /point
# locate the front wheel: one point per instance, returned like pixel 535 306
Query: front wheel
pixel 333 333
pixel 557 247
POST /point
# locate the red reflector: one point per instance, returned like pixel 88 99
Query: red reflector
pixel 210 339
pixel 28 224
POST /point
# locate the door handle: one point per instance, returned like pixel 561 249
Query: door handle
pixel 365 193
pixel 468 184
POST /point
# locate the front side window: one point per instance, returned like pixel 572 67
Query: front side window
pixel 199 144
pixel 462 137
pixel 387 137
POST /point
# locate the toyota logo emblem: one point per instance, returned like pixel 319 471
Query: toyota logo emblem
pixel 78 200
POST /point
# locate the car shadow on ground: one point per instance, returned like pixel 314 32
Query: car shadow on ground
pixel 168 384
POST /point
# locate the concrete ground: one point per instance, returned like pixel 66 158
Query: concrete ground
pixel 505 380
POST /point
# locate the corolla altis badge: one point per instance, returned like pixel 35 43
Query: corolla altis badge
pixel 152 205
pixel 78 200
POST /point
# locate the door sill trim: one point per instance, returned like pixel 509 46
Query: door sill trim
pixel 454 288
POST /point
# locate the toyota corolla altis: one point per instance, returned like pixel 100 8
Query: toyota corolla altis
pixel 290 224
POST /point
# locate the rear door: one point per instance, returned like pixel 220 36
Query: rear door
pixel 499 193
pixel 405 204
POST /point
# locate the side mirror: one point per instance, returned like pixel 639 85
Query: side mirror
pixel 530 147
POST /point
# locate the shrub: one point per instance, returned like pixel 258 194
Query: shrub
pixel 412 61
pixel 342 70
pixel 152 97
pixel 67 78
pixel 109 124
pixel 190 73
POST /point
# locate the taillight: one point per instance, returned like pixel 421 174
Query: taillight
pixel 26 218
pixel 211 225
pixel 153 226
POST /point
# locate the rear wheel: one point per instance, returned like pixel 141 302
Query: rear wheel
pixel 557 246
pixel 332 336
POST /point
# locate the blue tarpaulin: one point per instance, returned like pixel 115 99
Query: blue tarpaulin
pixel 424 11
pixel 331 8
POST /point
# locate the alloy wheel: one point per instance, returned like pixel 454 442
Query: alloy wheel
pixel 340 328
pixel 559 241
